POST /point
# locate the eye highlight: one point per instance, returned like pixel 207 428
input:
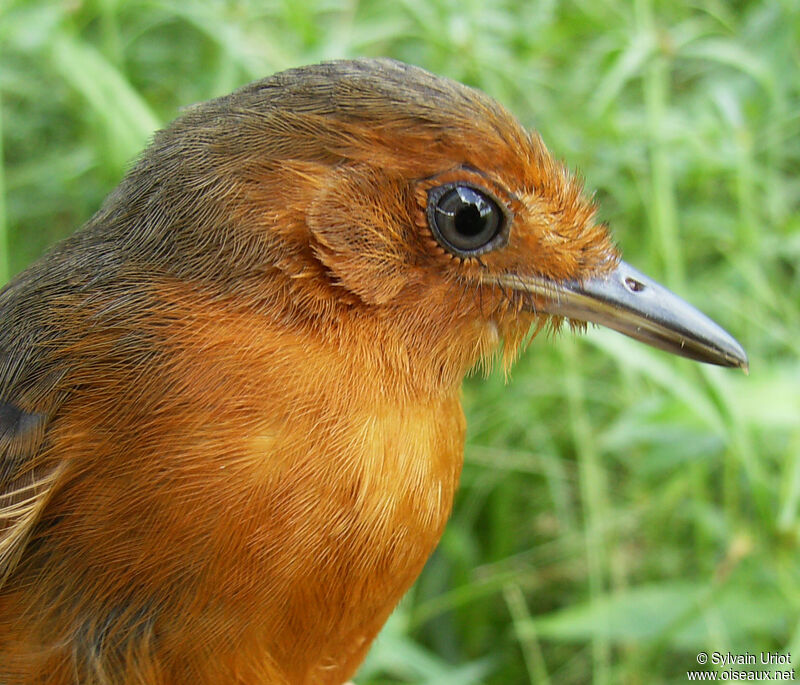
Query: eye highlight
pixel 465 220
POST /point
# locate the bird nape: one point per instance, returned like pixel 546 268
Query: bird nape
pixel 230 425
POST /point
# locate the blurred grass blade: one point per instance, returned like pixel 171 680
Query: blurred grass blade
pixel 678 614
pixel 5 254
pixel 395 653
pixel 660 368
pixel 125 116
pixel 733 55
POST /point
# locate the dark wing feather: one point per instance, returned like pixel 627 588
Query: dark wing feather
pixel 36 322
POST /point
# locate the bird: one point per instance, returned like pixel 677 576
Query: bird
pixel 231 429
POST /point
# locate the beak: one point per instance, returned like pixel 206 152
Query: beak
pixel 631 303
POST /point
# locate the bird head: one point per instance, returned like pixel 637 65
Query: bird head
pixel 376 190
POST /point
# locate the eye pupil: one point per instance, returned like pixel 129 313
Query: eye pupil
pixel 466 220
pixel 469 221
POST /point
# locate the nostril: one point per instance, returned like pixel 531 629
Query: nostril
pixel 633 285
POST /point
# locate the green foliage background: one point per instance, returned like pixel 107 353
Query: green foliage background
pixel 620 510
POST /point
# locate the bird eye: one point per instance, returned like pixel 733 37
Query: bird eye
pixel 465 220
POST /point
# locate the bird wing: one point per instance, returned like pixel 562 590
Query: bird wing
pixel 25 484
pixel 31 391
